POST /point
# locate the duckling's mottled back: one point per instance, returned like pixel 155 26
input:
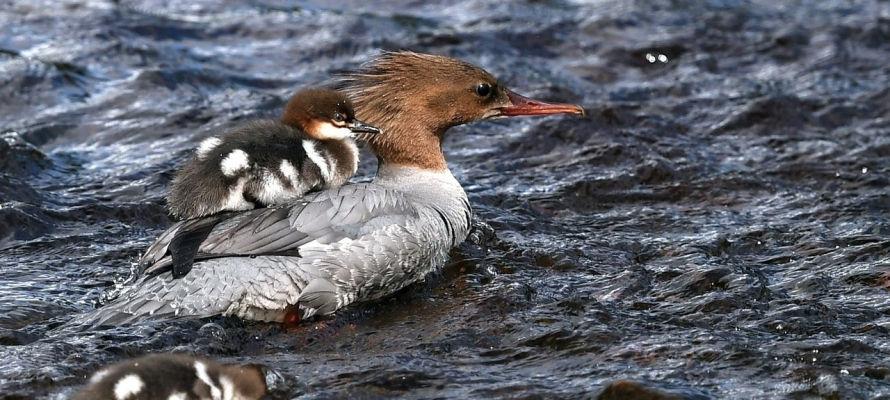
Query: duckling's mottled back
pixel 174 376
pixel 265 162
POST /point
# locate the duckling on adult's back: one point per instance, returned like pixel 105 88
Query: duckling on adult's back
pixel 352 243
pixel 266 162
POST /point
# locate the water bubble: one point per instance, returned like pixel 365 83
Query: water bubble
pixel 274 379
pixel 213 330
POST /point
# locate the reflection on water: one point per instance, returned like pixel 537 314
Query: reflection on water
pixel 717 228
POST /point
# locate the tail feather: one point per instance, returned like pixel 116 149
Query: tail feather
pixel 141 303
pixel 213 287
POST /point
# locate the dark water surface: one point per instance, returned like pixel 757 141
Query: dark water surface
pixel 718 227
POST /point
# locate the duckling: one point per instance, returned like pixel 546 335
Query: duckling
pixel 266 162
pixel 174 377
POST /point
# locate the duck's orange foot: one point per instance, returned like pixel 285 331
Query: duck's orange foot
pixel 292 318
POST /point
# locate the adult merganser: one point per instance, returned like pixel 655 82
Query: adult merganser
pixel 174 376
pixel 352 243
pixel 267 162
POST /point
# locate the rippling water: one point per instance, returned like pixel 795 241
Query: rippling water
pixel 717 228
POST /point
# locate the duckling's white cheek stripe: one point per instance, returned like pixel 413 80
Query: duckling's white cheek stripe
pixel 317 159
pixel 128 386
pixel 206 146
pixel 331 131
pixel 201 373
pixel 234 162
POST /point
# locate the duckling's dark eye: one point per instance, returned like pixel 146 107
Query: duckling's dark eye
pixel 339 117
pixel 483 90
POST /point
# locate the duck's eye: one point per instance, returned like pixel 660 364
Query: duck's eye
pixel 483 90
pixel 339 117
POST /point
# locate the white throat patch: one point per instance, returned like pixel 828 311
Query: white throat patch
pixel 329 131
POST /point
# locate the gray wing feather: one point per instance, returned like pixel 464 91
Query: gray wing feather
pixel 325 217
pixel 158 249
pixel 319 295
